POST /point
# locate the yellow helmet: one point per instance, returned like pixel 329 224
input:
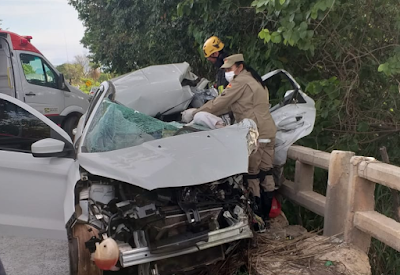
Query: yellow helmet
pixel 212 45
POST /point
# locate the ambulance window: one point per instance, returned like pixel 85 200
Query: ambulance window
pixel 37 72
pixel 19 128
pixel 50 76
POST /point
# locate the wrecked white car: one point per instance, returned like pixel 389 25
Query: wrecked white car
pixel 163 91
pixel 136 193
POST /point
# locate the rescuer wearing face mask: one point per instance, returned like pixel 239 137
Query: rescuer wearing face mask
pixel 247 97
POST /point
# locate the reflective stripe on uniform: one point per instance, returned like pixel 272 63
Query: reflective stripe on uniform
pixel 220 89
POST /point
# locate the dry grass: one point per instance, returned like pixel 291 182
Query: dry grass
pixel 267 256
pixel 290 256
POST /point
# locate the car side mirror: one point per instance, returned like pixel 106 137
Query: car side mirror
pixel 61 82
pixel 48 147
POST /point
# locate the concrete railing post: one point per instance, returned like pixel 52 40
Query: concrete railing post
pixel 337 192
pixel 304 177
pixel 360 198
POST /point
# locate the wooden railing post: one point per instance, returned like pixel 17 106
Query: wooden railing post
pixel 337 192
pixel 360 198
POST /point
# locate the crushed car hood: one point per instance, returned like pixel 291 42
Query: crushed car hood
pixel 183 160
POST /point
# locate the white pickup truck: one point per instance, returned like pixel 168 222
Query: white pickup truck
pixel 28 76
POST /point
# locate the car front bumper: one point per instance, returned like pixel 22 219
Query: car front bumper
pixel 134 256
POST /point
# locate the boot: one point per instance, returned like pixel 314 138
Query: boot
pixel 258 217
pixel 266 205
pixel 258 207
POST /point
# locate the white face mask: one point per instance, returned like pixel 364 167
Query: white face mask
pixel 229 75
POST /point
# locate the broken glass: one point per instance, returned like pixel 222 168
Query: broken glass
pixel 115 126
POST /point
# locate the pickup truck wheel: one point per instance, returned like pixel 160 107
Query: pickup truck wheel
pixel 80 262
pixel 70 124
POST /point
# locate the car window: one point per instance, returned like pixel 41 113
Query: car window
pixel 277 86
pixel 19 128
pixel 37 72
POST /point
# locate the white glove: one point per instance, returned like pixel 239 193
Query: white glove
pixel 187 115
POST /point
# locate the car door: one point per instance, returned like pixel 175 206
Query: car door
pixel 294 115
pixel 41 85
pixel 32 189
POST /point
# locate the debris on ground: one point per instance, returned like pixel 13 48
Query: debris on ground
pixel 291 250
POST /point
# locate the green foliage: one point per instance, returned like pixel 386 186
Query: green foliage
pixel 126 35
pixel 72 72
pixel 345 54
pixel 105 76
pixel 291 21
pixel 86 88
pixel 392 65
pixel 81 72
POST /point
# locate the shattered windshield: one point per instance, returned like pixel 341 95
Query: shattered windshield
pixel 115 126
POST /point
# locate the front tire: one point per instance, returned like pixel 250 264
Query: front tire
pixel 80 262
pixel 70 124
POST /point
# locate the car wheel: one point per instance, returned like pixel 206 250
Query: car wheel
pixel 80 262
pixel 70 124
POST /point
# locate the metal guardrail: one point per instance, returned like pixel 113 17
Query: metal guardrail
pixel 348 206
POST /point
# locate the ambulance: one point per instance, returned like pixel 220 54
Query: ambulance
pixel 28 76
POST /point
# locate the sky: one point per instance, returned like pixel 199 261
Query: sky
pixel 53 24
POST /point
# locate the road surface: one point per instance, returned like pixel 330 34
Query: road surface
pixel 27 256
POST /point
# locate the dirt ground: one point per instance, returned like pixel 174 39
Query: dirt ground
pixel 28 256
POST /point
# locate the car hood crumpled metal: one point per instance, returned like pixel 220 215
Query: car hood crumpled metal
pixel 184 160
pixel 155 89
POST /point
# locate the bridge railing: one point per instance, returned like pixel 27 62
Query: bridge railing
pixel 348 206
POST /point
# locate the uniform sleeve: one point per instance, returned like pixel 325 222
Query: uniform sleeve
pixel 222 103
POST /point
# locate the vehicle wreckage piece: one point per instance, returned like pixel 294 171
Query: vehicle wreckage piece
pixel 294 116
pixel 106 254
pixel 130 257
pixel 131 147
pixel 139 89
pixel 155 225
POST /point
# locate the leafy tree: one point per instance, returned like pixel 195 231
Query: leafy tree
pixel 138 33
pixel 82 71
pixel 72 72
pixel 83 62
pixel 104 77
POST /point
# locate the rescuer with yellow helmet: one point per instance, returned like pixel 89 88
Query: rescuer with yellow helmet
pixel 213 50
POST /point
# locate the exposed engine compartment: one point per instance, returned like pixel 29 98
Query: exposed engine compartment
pixel 167 222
